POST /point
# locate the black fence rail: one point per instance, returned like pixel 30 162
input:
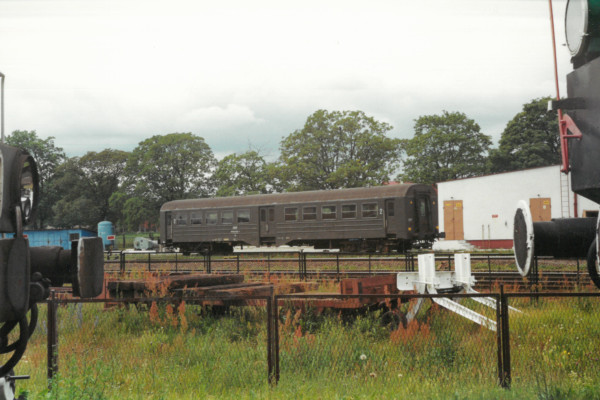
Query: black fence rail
pixel 489 269
pixel 544 342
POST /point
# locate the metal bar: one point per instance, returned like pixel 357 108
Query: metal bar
pixel 122 261
pixel 369 264
pixel 337 263
pixel 52 363
pixel 176 263
pixel 270 352
pixel 499 336
pixel 276 339
pixel 506 368
pixel 237 263
pixel 149 268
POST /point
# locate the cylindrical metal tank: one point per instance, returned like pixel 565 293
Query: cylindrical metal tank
pixel 106 231
pixel 560 238
pixel 142 243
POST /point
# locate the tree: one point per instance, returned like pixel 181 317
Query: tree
pixel 530 139
pixel 48 157
pixel 444 147
pixel 245 173
pixel 87 183
pixel 168 167
pixel 338 149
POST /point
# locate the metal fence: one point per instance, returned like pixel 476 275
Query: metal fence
pixel 544 341
pixel 488 269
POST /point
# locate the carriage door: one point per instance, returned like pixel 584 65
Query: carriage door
pixel 168 226
pixel 423 214
pixel 390 216
pixel 267 222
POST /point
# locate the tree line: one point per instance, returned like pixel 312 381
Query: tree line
pixel 334 149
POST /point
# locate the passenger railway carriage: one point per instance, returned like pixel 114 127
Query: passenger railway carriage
pixel 385 218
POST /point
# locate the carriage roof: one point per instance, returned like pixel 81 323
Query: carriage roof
pixel 376 192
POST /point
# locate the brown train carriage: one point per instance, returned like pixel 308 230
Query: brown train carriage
pixel 392 217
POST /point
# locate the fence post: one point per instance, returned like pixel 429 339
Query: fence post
pixel 237 263
pixel 122 261
pixel 505 378
pixel 269 263
pixel 337 263
pixel 149 269
pixel 52 339
pixel 369 263
pixel 176 266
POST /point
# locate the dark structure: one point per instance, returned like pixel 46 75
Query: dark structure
pixel 579 119
pixel 385 218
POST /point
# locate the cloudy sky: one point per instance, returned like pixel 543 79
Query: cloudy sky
pixel 99 74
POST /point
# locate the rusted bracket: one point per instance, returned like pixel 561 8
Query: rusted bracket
pixel 566 125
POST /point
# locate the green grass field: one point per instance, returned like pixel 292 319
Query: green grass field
pixel 187 353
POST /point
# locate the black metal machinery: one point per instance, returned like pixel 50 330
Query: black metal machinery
pixel 579 120
pixel 26 274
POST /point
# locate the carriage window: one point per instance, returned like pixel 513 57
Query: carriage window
pixel 227 217
pixel 263 215
pixel 328 212
pixel 211 218
pixel 390 209
pixel 243 216
pixel 309 213
pixel 369 210
pixel 271 214
pixel 290 214
pixel 348 210
pixel 180 220
pixel 196 219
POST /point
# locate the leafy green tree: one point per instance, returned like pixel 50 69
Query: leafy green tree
pixel 531 139
pixel 167 167
pixel 444 147
pixel 89 181
pixel 245 173
pixel 337 149
pixel 48 157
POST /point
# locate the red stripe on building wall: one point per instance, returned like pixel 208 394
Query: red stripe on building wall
pixel 492 244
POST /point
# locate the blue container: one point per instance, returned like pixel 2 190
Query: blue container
pixel 106 231
pixel 55 237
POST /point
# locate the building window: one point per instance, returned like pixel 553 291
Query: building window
pixel 211 218
pixel 309 213
pixel 348 210
pixel 369 210
pixel 196 219
pixel 73 236
pixel 243 216
pixel 227 217
pixel 290 213
pixel 328 212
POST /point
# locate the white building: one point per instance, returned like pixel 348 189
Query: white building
pixel 481 210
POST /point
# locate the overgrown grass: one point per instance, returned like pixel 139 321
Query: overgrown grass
pixel 185 352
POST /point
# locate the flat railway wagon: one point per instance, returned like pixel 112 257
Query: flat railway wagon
pixel 383 218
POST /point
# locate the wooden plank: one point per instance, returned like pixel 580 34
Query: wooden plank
pixel 202 291
pixel 197 280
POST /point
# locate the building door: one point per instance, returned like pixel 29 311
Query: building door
pixel 541 209
pixel 453 220
pixel 267 222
